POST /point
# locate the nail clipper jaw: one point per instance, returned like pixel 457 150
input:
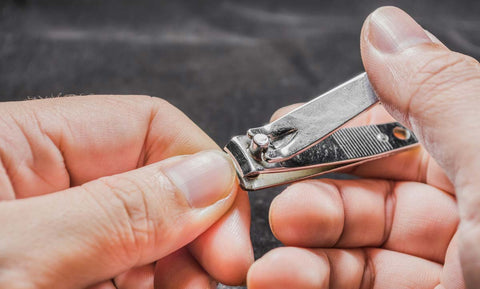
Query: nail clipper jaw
pixel 245 163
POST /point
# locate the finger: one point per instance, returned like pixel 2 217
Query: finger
pixel 180 270
pixel 136 278
pixel 407 217
pixel 435 92
pixel 429 88
pixel 411 165
pixel 225 250
pixel 94 232
pixel 452 276
pixel 361 268
pixel 47 145
pixel 289 268
pixel 284 110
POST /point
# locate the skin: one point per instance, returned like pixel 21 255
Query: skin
pixel 407 221
pixel 96 208
pixel 86 204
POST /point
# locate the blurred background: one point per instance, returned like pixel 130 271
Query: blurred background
pixel 227 64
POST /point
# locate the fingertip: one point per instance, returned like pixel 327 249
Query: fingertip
pixel 289 267
pixel 307 214
pixel 419 82
pixel 365 42
pixel 225 250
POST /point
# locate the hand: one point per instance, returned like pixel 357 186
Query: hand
pixel 92 191
pixel 402 224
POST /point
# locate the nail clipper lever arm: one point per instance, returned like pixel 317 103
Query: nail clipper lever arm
pixel 316 119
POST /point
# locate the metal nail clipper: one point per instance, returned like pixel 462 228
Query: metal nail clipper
pixel 310 140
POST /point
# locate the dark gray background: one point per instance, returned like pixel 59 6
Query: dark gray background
pixel 227 64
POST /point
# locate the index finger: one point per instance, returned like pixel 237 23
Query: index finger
pixel 69 141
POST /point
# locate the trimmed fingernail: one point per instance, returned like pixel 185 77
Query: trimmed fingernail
pixel 391 30
pixel 203 178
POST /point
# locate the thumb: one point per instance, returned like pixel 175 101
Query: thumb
pixel 434 91
pixel 426 86
pixel 429 88
pixel 86 234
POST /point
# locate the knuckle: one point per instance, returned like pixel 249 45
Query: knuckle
pixel 124 202
pixel 131 195
pixel 443 73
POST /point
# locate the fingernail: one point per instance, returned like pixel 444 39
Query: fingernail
pixel 391 30
pixel 203 178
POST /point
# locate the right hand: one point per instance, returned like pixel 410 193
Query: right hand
pixel 403 224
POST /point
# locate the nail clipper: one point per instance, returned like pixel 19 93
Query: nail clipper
pixel 311 140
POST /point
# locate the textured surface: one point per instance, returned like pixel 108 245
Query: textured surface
pixel 227 64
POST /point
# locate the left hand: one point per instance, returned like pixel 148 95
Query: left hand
pixel 64 228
